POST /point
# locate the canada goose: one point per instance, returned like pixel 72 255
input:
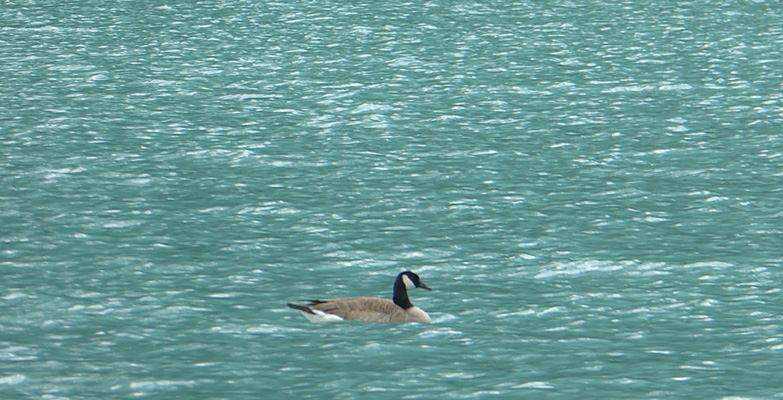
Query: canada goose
pixel 370 309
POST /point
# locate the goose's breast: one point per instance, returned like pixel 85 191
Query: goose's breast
pixel 416 314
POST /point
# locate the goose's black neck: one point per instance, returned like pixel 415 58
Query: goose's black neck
pixel 401 294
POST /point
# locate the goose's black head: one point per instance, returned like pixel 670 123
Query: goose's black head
pixel 406 280
pixel 411 280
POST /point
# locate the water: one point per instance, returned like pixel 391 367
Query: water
pixel 592 189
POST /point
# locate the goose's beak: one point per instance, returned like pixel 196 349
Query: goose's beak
pixel 423 286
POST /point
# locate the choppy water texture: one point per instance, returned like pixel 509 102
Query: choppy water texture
pixel 593 189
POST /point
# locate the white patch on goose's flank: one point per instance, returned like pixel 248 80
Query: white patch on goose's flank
pixel 321 316
pixel 408 282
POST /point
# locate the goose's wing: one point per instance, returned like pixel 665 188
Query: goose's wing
pixel 370 309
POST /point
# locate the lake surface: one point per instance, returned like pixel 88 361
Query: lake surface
pixel 592 188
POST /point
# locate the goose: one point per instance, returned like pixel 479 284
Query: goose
pixel 370 309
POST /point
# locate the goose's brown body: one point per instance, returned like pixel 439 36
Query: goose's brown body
pixel 370 309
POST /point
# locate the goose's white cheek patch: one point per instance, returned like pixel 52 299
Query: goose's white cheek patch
pixel 408 282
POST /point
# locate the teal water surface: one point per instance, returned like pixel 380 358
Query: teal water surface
pixel 592 188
